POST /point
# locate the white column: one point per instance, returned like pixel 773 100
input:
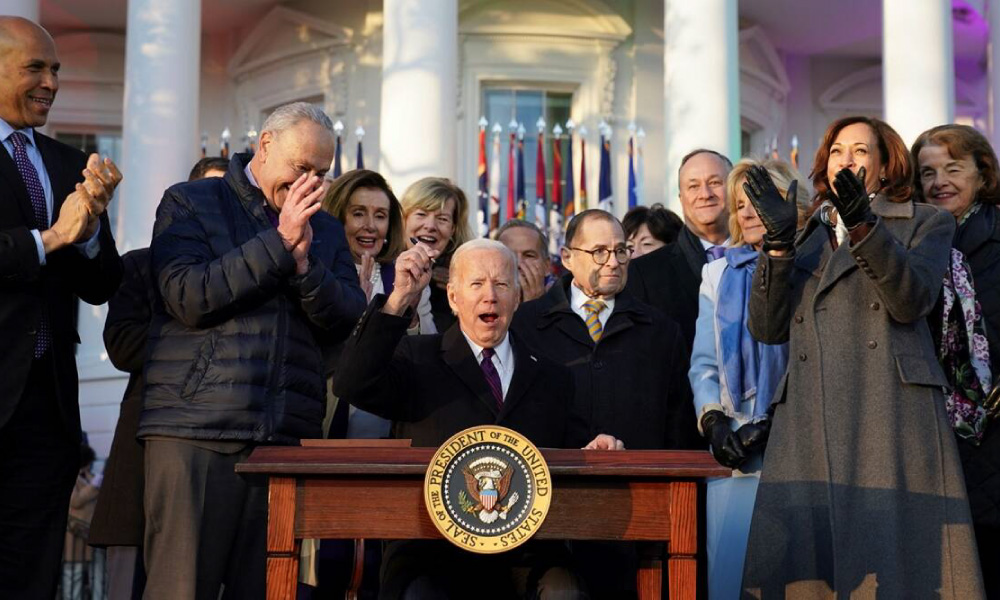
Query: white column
pixel 701 82
pixel 160 117
pixel 993 58
pixel 417 128
pixel 918 65
pixel 29 9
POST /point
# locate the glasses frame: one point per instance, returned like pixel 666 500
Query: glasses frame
pixel 628 250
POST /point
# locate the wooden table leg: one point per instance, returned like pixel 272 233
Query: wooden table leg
pixel 650 579
pixel 682 563
pixel 282 547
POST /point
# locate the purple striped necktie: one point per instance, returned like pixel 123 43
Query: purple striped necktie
pixel 40 211
pixel 492 377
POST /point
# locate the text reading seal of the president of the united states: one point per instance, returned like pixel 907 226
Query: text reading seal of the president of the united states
pixel 488 489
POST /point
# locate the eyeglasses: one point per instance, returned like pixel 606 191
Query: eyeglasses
pixel 601 255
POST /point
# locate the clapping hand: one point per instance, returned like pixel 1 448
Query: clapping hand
pixel 301 203
pixel 365 274
pixel 532 280
pixel 850 198
pixel 726 446
pixel 71 223
pixel 779 215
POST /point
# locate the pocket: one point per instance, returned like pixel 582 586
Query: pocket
pixel 200 365
pixel 918 370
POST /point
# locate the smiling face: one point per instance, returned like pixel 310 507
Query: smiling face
pixel 366 222
pixel 854 147
pixel 432 227
pixel 750 223
pixel 703 193
pixel 947 182
pixel 302 148
pixel 483 292
pixel 596 281
pixel 29 70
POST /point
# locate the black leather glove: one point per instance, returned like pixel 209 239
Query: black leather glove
pixel 726 446
pixel 779 215
pixel 753 436
pixel 851 198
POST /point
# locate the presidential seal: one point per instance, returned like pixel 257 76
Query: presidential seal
pixel 487 489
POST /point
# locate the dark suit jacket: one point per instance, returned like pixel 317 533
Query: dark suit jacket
pixel 668 279
pixel 119 517
pixel 432 387
pixel 632 384
pixel 27 288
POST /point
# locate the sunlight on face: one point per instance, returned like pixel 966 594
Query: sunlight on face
pixel 483 293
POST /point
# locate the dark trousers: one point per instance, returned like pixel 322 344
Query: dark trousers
pixel 39 461
pixel 206 526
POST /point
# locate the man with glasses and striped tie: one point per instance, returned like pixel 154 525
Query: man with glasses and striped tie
pixel 55 246
pixel 629 361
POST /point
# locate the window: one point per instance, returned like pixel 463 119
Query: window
pixel 525 105
pixel 104 144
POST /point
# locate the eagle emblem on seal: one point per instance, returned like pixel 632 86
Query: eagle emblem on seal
pixel 487 481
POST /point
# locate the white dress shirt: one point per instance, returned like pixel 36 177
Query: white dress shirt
pixel 503 359
pixel 577 299
pixel 89 248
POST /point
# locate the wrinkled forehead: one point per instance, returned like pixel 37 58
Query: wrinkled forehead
pixel 307 143
pixel 484 264
pixel 702 166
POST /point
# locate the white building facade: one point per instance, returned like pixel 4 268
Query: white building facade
pixel 152 81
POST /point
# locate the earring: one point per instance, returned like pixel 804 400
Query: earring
pixel 883 180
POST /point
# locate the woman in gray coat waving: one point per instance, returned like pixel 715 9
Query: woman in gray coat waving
pixel 862 491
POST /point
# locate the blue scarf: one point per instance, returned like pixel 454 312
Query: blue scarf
pixel 750 368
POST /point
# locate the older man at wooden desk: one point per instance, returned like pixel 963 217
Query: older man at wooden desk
pixel 434 386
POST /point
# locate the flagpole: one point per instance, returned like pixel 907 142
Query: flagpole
pixel 360 134
pixel 512 172
pixel 484 193
pixel 633 198
pixel 338 130
pixel 522 201
pixel 494 172
pixel 584 202
pixel 540 200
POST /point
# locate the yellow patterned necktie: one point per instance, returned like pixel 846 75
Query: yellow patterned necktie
pixel 593 321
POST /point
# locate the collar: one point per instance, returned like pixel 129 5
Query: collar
pixel 250 177
pixel 707 245
pixel 503 350
pixel 577 299
pixel 6 129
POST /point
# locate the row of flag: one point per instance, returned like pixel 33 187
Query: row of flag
pixel 250 145
pixel 338 130
pixel 549 212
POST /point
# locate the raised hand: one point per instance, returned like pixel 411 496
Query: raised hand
pixel 413 274
pixel 532 280
pixel 850 197
pixel 100 178
pixel 780 216
pixel 301 203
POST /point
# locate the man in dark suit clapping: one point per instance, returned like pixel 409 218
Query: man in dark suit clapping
pixel 55 246
pixel 434 386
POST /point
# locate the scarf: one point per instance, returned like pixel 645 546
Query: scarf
pixel 751 369
pixel 964 352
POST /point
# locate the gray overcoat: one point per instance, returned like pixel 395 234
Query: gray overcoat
pixel 861 493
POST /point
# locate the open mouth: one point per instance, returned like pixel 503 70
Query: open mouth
pixel 365 241
pixel 489 318
pixel 944 195
pixel 430 240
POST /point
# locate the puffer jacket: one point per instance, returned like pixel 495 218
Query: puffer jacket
pixel 235 350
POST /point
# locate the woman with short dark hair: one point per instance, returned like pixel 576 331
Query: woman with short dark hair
pixel 861 492
pixel 957 170
pixel 649 228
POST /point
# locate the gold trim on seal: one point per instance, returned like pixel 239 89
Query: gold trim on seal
pixel 500 496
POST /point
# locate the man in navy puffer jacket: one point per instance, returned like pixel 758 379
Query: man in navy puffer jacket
pixel 256 283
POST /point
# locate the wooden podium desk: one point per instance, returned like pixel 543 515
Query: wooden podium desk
pixel 377 493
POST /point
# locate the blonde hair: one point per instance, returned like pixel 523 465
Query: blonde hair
pixel 431 193
pixel 782 174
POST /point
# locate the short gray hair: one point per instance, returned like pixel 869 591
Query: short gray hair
pixel 543 240
pixel 485 244
pixel 289 115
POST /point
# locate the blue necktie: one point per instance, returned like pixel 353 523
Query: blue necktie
pixel 41 213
